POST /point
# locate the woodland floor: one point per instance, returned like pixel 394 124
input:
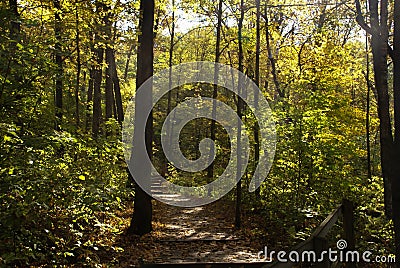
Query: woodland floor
pixel 200 234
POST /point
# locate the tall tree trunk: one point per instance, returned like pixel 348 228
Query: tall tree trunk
pixel 170 63
pixel 109 94
pixel 257 81
pixel 128 59
pixel 379 51
pixel 390 148
pixel 97 78
pixel 117 89
pixel 239 126
pixel 142 214
pixel 89 99
pixel 367 117
pixel 59 65
pixel 97 74
pixel 270 56
pixel 396 147
pixel 78 66
pixel 109 98
pixel 210 169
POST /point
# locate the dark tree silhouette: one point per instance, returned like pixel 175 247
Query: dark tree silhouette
pixel 142 214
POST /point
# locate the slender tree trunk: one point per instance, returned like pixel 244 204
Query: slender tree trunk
pixel 257 81
pixel 98 52
pixel 78 67
pixel 270 56
pixel 89 99
pixel 239 126
pixel 210 169
pixel 128 59
pixel 109 94
pixel 170 63
pixel 97 78
pixel 142 214
pixel 117 90
pixel 109 85
pixel 58 61
pixel 367 117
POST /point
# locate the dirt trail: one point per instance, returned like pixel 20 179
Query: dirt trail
pixel 201 234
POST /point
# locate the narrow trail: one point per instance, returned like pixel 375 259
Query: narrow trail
pixel 201 234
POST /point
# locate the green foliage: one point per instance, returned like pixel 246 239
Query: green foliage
pixel 55 191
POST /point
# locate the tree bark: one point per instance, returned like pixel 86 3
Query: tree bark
pixel 59 65
pixel 210 168
pixel 257 81
pixel 97 78
pixel 396 147
pixel 117 90
pixel 142 214
pixel 239 108
pixel 270 56
pixel 109 94
pixel 109 85
pixel 128 59
pixel 78 67
pixel 164 168
pixel 89 98
pixel 97 74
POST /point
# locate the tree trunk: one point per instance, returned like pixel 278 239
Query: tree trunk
pixel 257 81
pixel 239 126
pixel 396 147
pixel 109 84
pixel 117 89
pixel 109 94
pixel 367 117
pixel 271 57
pixel 128 59
pixel 164 168
pixel 379 51
pixel 97 78
pixel 97 74
pixel 210 169
pixel 59 65
pixel 89 99
pixel 78 66
pixel 142 214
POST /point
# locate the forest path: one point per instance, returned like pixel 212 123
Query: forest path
pixel 200 234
